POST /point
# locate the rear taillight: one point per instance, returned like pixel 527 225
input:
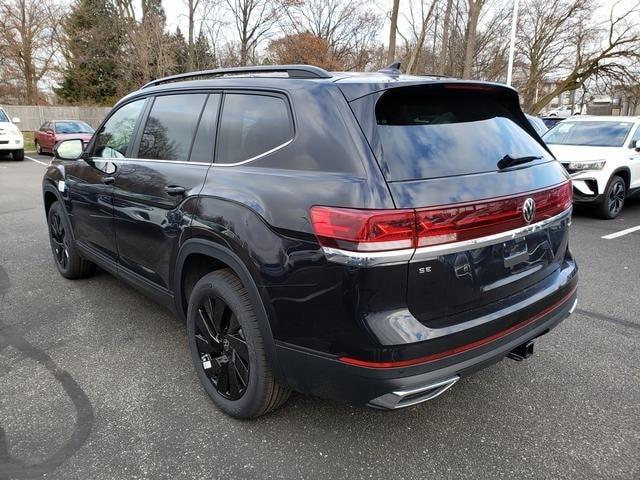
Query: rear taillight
pixel 363 230
pixel 461 222
pixel 382 230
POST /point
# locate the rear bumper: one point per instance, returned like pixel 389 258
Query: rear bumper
pixel 311 372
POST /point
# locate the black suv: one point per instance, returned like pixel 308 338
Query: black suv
pixel 368 237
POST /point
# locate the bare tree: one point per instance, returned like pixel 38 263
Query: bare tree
pixel 416 46
pixel 492 43
pixel 475 8
pixel 28 42
pixel 253 21
pixel 393 31
pixel 349 28
pixel 561 39
pixel 192 8
pixel 444 48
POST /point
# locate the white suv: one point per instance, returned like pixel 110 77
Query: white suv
pixel 602 154
pixel 11 139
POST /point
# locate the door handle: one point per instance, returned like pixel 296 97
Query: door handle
pixel 174 190
pixel 108 180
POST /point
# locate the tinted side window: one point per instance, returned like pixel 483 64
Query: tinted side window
pixel 115 135
pixel 252 125
pixel 170 128
pixel 205 141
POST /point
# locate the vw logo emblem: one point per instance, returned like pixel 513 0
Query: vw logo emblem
pixel 528 209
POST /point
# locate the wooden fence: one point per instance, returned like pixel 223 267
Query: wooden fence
pixel 32 117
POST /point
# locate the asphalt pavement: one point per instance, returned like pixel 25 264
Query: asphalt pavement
pixel 96 382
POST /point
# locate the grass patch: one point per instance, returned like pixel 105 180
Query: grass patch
pixel 29 143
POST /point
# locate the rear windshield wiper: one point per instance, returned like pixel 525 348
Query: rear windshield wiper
pixel 509 161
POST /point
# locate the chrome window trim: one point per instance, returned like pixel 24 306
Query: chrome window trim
pixel 268 152
pixel 127 159
pixel 263 154
pixel 420 254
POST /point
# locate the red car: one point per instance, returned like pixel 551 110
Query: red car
pixel 55 131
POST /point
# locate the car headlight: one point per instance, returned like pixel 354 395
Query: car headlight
pixel 580 166
pixel 15 130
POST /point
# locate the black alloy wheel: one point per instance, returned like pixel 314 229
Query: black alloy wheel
pixel 65 254
pixel 616 198
pixel 59 240
pixel 228 348
pixel 613 198
pixel 222 347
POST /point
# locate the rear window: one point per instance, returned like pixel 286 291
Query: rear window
pixel 593 134
pixel 73 127
pixel 430 133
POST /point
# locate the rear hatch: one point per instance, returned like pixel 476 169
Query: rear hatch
pixel 465 157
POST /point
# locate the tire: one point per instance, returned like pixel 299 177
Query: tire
pixel 65 254
pixel 613 198
pixel 227 348
pixel 18 155
pixel 38 148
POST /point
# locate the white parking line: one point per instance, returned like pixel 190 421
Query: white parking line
pixel 37 161
pixel 611 236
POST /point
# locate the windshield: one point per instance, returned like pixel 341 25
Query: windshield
pixel 73 127
pixel 429 133
pixel 589 133
pixel 3 116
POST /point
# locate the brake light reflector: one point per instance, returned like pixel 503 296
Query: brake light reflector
pixel 363 230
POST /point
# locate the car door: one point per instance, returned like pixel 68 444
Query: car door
pixel 43 135
pixel 49 139
pixel 39 134
pixel 89 181
pixel 156 190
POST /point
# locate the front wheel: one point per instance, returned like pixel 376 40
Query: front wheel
pixel 68 261
pixel 18 155
pixel 614 198
pixel 227 348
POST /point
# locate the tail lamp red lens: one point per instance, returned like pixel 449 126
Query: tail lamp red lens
pixel 381 230
pixel 364 230
pixel 457 223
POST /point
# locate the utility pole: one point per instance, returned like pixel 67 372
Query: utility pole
pixel 512 46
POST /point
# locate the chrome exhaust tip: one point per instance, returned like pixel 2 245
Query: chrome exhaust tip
pixel 412 396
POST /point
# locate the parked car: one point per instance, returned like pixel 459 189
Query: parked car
pixel 367 237
pixel 551 122
pixel 50 133
pixel 11 139
pixel 602 155
pixel 537 123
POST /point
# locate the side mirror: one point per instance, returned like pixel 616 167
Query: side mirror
pixel 635 144
pixel 15 120
pixel 69 149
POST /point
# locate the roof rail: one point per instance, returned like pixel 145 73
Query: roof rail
pixel 294 71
